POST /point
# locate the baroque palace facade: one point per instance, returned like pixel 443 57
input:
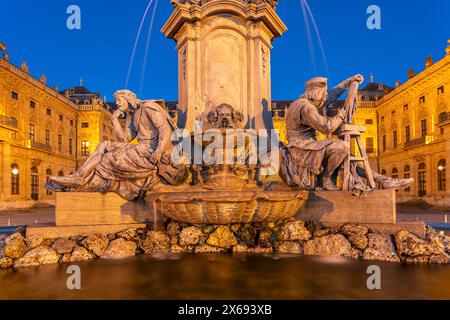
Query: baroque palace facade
pixel 43 132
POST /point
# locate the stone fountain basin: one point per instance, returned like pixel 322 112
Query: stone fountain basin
pixel 203 206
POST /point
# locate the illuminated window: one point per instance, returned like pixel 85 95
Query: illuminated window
pixel 49 112
pixel 423 126
pixel 85 124
pixel 384 142
pixel 395 173
pixel 407 175
pixel 422 179
pixel 407 134
pixel 422 99
pixel 440 90
pixel 369 145
pixel 59 143
pixel 70 146
pixel 47 137
pixel 14 95
pixel 61 117
pixel 369 121
pixel 34 183
pixel 405 107
pixel 84 148
pixel 441 175
pixel 31 132
pixel 14 179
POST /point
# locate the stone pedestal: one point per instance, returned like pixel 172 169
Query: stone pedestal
pixel 377 206
pixel 224 57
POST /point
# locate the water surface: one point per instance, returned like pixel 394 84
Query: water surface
pixel 227 277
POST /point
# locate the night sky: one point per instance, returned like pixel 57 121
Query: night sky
pixel 100 52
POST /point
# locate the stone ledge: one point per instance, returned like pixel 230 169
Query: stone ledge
pixel 54 232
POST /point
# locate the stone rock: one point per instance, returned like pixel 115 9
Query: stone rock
pixel 443 258
pixel 63 246
pixel 65 258
pixel 291 247
pixel 313 226
pixel 6 263
pixel 173 229
pixel 438 259
pixel 242 248
pixel 265 238
pixel 321 233
pixel 235 227
pixel 222 237
pixel 330 245
pixel 411 246
pixel 14 246
pixel 130 234
pixel 111 236
pixel 208 229
pixel 37 256
pixel 380 248
pixel 349 228
pixel 120 248
pixel 247 234
pixel 440 240
pixel 292 231
pixel 191 236
pixel 96 243
pixel 359 241
pixel 175 248
pixel 81 254
pixel 208 249
pixel 34 240
pixel 76 238
pixel 155 242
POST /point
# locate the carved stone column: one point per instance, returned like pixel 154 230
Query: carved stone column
pixel 224 57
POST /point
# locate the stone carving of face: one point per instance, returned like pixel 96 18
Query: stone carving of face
pixel 224 116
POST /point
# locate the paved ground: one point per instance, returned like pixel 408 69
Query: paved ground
pixel 47 215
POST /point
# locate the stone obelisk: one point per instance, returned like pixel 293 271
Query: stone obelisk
pixel 224 49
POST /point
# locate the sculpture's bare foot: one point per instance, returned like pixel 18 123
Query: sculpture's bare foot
pixel 328 184
pixel 72 180
pixel 397 183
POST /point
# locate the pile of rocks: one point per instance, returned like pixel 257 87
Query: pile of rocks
pixel 287 236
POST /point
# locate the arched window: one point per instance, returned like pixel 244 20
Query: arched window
pixel 383 172
pixel 14 179
pixel 407 175
pixel 395 173
pixel 48 173
pixel 441 175
pixel 61 173
pixel 421 172
pixel 34 183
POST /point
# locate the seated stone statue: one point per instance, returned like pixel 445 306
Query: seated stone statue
pixel 128 169
pixel 304 156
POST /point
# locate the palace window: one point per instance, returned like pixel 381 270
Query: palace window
pixel 14 179
pixel 384 142
pixel 14 95
pixel 60 173
pixel 407 134
pixel 31 132
pixel 393 114
pixel 32 104
pixel 34 183
pixel 49 112
pixel 422 179
pixel 405 107
pixel 369 145
pixel 47 137
pixel 383 172
pixel 84 148
pixel 407 175
pixel 394 139
pixel 369 121
pixel 441 175
pixel 49 174
pixel 382 119
pixel 85 124
pixel 422 99
pixel 61 117
pixel 59 143
pixel 71 123
pixel 423 126
pixel 70 146
pixel 440 90
pixel 395 173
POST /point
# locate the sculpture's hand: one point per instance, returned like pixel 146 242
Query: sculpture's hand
pixel 358 77
pixel 156 156
pixel 342 113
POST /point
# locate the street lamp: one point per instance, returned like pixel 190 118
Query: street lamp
pixel 15 171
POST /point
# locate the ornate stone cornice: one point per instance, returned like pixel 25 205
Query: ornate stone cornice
pixel 193 11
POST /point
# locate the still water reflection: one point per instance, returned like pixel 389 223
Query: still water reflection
pixel 227 277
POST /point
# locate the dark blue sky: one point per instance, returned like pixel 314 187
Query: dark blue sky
pixel 100 52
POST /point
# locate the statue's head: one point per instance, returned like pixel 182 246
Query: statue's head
pixel 224 116
pixel 316 91
pixel 125 99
